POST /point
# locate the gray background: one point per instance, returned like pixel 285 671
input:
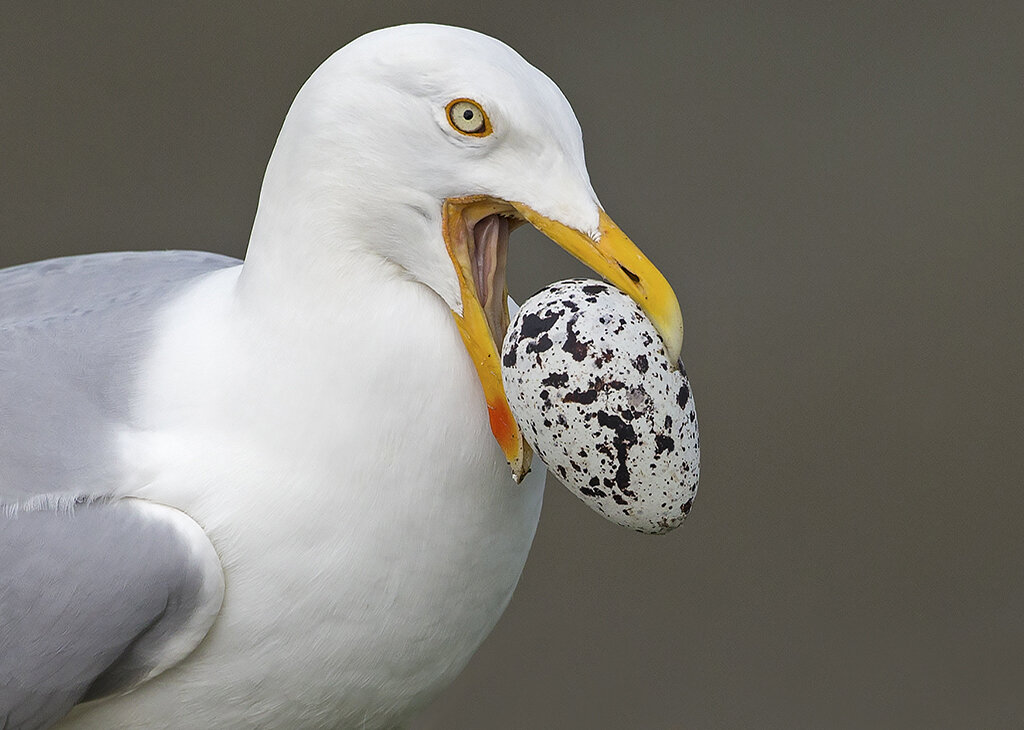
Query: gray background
pixel 836 194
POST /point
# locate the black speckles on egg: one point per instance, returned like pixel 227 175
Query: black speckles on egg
pixel 572 345
pixel 601 404
pixel 624 438
pixel 683 396
pixel 534 324
pixel 583 397
pixel 556 380
pixel 541 344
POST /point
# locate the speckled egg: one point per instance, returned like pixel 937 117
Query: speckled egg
pixel 588 380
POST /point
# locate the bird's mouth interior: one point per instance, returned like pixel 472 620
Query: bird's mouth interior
pixel 477 231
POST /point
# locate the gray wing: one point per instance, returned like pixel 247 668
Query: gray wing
pixel 95 596
pixel 95 601
pixel 72 334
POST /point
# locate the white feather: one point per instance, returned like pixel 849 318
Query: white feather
pixel 316 412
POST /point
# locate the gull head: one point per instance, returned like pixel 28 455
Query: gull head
pixel 424 146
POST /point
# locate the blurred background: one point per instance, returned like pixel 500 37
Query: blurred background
pixel 836 193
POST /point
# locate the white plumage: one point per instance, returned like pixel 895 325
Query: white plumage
pixel 327 416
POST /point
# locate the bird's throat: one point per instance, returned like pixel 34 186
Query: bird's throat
pixel 489 253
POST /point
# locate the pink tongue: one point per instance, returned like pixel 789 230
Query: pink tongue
pixel 490 252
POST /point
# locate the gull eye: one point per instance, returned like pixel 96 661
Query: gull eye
pixel 468 118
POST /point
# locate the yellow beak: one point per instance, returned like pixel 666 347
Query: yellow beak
pixel 617 259
pixel 610 254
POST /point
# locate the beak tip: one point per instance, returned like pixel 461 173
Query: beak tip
pixel 674 348
pixel 521 462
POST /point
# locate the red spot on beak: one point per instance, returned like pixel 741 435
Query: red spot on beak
pixel 502 423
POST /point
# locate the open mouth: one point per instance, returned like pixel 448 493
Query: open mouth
pixel 477 231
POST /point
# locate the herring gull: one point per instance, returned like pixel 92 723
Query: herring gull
pixel 277 493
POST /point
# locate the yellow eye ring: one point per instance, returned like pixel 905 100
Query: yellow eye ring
pixel 467 117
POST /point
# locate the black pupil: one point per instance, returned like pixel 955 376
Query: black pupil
pixel 467 115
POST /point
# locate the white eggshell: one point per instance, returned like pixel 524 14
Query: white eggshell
pixel 589 383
